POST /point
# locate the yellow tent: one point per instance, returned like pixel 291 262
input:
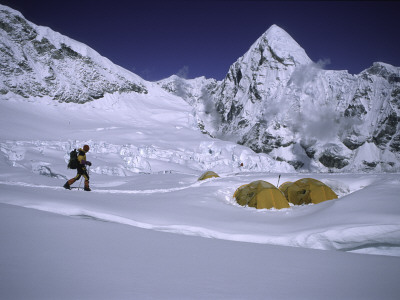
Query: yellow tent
pixel 284 188
pixel 208 174
pixel 260 194
pixel 309 190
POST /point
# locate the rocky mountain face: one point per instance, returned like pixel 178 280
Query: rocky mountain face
pixel 36 62
pixel 275 100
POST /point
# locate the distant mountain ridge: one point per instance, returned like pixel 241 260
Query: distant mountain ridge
pixel 274 99
pixel 35 61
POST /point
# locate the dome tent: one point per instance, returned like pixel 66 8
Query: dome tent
pixel 260 194
pixel 284 187
pixel 208 174
pixel 309 190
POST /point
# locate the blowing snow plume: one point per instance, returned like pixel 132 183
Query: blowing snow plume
pixel 211 115
pixel 305 75
pixel 320 123
pixel 312 114
pixel 181 86
pixel 306 111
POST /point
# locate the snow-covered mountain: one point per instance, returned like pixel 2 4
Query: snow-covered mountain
pixel 275 100
pixel 148 129
pixel 36 61
pixel 196 92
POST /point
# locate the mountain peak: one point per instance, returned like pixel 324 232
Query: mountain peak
pixel 282 46
pixel 275 30
pixel 277 34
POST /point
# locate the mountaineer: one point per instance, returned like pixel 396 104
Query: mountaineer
pixel 81 169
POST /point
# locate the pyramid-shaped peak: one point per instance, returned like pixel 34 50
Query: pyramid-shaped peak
pixel 280 42
pixel 276 33
pixel 276 30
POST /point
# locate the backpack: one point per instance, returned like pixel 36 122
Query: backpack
pixel 73 159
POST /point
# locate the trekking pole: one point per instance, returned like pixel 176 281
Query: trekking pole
pixel 278 180
pixel 88 171
pixel 80 182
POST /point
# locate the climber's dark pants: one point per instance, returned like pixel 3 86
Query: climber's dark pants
pixel 81 172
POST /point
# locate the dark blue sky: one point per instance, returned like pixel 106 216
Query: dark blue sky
pixel 156 39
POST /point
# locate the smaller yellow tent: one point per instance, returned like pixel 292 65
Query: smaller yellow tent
pixel 309 190
pixel 208 174
pixel 284 188
pixel 260 194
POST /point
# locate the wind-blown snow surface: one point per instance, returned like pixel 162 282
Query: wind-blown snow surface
pixel 117 242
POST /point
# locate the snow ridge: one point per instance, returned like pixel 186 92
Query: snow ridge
pixel 36 61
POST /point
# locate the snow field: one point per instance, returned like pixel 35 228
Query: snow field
pixel 178 203
pixel 49 256
pixel 145 170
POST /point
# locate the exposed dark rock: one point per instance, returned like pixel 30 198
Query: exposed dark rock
pixel 296 164
pixel 234 112
pixel 355 110
pixel 331 160
pixel 352 144
pixel 395 143
pixel 370 164
pixel 386 131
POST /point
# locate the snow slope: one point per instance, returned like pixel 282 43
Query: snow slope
pixel 48 256
pixel 36 61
